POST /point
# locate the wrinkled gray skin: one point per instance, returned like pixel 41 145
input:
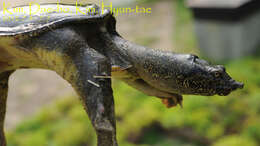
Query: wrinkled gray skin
pixel 84 48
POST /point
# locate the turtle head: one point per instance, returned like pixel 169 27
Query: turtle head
pixel 200 78
pixel 178 73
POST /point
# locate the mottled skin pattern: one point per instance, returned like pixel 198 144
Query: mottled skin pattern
pixel 86 51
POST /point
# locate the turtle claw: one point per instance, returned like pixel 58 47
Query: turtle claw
pixel 172 102
pixel 169 102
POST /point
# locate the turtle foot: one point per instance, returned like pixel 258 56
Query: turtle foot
pixel 172 102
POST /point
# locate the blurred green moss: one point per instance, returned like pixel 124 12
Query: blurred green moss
pixel 235 140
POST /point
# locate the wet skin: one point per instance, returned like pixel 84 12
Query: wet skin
pixel 87 51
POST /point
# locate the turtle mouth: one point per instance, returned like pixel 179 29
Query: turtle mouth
pixel 227 89
pixel 224 93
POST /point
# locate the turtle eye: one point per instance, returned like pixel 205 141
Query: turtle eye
pixel 217 74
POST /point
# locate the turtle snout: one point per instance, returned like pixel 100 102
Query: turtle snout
pixel 237 85
pixel 231 86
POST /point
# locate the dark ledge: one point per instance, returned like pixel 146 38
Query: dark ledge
pixel 226 14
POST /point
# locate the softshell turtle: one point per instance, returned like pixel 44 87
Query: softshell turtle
pixel 83 47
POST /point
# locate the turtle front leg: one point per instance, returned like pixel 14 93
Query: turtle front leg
pixel 168 99
pixel 97 94
pixel 3 98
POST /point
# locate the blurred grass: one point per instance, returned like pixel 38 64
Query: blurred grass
pixel 144 121
pixel 184 38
